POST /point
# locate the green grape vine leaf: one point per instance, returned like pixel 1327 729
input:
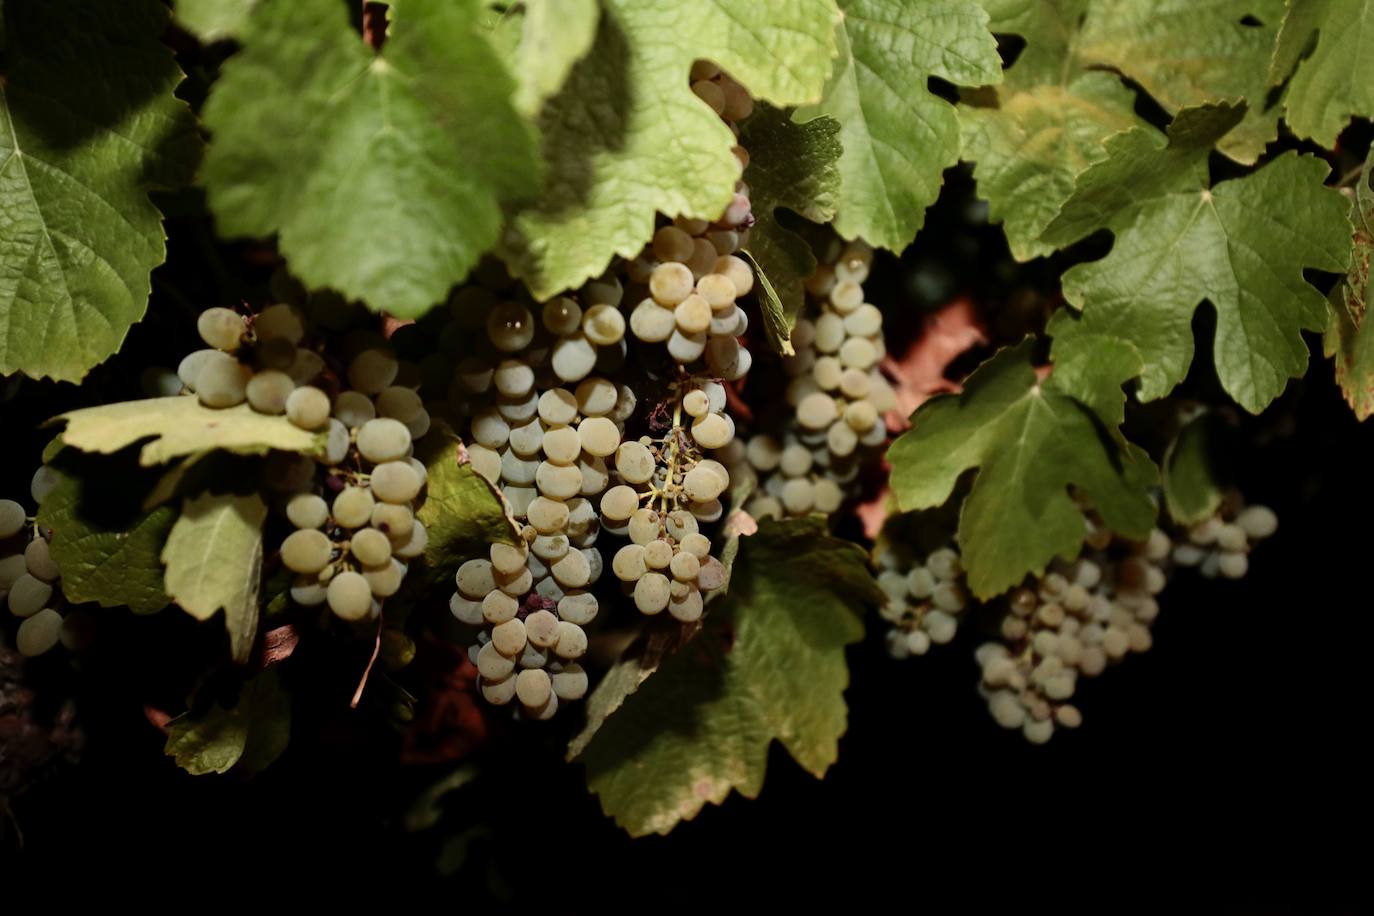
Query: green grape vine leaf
pixel 215 20
pixel 541 40
pixel 382 174
pixel 626 137
pixel 462 514
pixel 641 659
pixel 213 557
pixel 769 663
pixel 792 166
pixel 1188 473
pixel 88 125
pixel 1189 52
pixel 1031 441
pixel 898 137
pixel 180 426
pixel 1241 244
pixel 1048 121
pixel 253 733
pixel 1335 81
pixel 107 548
pixel 1349 338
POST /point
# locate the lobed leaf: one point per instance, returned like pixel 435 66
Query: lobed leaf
pixel 254 732
pixel 626 137
pixel 383 175
pixel 1031 441
pixel 769 664
pixel 88 124
pixel 181 426
pixel 897 136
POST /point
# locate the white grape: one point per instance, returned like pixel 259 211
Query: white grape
pixel 353 507
pixel 349 596
pixel 222 381
pixel 268 391
pixel 651 593
pixel 353 408
pixel 383 439
pixel 306 551
pixel 12 518
pixel 371 547
pixel 28 595
pixel 38 633
pixel 221 328
pixel 372 371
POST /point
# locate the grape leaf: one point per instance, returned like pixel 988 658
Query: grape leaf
pixel 1349 338
pixel 213 557
pixel 254 732
pixel 88 124
pixel 215 20
pixel 1241 244
pixel 898 137
pixel 792 166
pixel 1031 441
pixel 768 664
pixel 1044 125
pixel 182 426
pixel 541 40
pixel 382 174
pixel 627 137
pixel 1188 477
pixel 462 514
pixel 1335 82
pixel 1187 52
pixel 106 553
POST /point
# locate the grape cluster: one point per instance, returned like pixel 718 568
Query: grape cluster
pixel 925 600
pixel 1220 544
pixel 349 552
pixel 837 392
pixel 546 424
pixel 1074 621
pixel 29 580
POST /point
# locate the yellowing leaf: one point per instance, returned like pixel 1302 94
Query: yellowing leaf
pixel 214 560
pixel 181 426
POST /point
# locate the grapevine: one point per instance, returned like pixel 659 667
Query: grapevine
pixel 610 385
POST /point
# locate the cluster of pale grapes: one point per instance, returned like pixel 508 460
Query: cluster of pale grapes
pixel 1220 544
pixel 1075 620
pixel 837 392
pixel 551 436
pixel 925 600
pixel 350 551
pixel 29 580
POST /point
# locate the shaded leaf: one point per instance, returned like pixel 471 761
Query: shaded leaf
pixel 253 733
pixel 541 40
pixel 215 20
pixel 106 554
pixel 1349 337
pixel 791 166
pixel 769 664
pixel 626 137
pixel 1192 490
